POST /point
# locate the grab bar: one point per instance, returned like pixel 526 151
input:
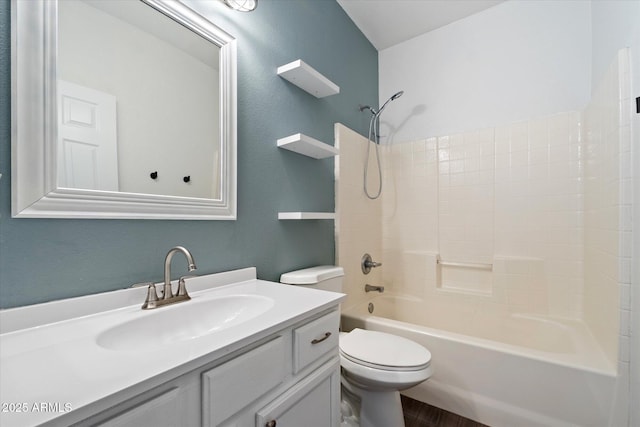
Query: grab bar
pixel 466 265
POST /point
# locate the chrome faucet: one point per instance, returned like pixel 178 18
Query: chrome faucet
pixel 369 288
pixel 153 301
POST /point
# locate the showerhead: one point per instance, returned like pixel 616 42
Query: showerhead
pixel 397 95
pixel 376 113
pixel 393 97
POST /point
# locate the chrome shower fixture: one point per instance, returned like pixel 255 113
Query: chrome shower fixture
pixel 393 98
pixel 374 112
pixel 374 136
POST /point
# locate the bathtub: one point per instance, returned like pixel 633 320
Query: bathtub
pixel 514 370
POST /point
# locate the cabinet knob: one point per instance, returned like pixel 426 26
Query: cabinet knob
pixel 271 423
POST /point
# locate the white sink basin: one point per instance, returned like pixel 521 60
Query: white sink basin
pixel 184 321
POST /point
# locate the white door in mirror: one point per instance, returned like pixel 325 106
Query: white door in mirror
pixel 87 141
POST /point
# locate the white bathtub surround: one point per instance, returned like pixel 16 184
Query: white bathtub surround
pixel 358 232
pixel 508 198
pixel 608 219
pixel 608 203
pixel 545 205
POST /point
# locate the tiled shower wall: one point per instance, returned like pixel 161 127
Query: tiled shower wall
pixel 506 198
pixel 608 213
pixel 358 219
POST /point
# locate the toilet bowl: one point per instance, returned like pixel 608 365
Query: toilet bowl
pixel 375 366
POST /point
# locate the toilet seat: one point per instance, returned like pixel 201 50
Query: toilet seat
pixel 383 351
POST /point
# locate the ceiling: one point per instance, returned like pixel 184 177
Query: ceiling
pixel 389 22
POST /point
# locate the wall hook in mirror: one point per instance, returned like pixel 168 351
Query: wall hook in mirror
pixel 241 5
pixel 154 175
pixel 187 178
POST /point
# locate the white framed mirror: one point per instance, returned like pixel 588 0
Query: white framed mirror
pixel 121 110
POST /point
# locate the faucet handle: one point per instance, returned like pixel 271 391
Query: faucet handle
pixel 182 287
pixel 152 297
pixel 367 263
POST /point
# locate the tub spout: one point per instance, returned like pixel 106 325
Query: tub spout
pixel 369 288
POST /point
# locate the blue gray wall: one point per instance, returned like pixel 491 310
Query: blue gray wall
pixel 43 259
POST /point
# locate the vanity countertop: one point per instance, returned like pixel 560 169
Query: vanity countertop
pixel 52 367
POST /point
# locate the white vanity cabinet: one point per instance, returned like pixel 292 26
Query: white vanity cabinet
pixel 290 378
pixel 276 363
pixel 273 385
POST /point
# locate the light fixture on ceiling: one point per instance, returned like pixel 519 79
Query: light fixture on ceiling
pixel 242 5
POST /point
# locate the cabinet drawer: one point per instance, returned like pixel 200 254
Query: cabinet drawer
pixel 232 386
pixel 315 339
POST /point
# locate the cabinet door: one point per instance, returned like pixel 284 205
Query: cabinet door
pixel 229 388
pixel 166 409
pixel 313 402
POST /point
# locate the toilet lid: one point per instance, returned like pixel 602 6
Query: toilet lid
pixel 384 350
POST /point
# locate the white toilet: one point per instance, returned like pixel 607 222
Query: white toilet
pixel 375 365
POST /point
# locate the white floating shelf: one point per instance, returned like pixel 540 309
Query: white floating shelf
pixel 307 146
pixel 307 78
pixel 306 215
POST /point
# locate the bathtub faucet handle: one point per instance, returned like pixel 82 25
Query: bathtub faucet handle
pixel 367 263
pixel 369 288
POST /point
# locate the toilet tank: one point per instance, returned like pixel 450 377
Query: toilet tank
pixel 324 277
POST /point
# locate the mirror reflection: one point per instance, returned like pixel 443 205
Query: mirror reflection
pixel 138 102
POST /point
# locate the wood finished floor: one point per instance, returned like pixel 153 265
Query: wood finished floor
pixel 418 414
